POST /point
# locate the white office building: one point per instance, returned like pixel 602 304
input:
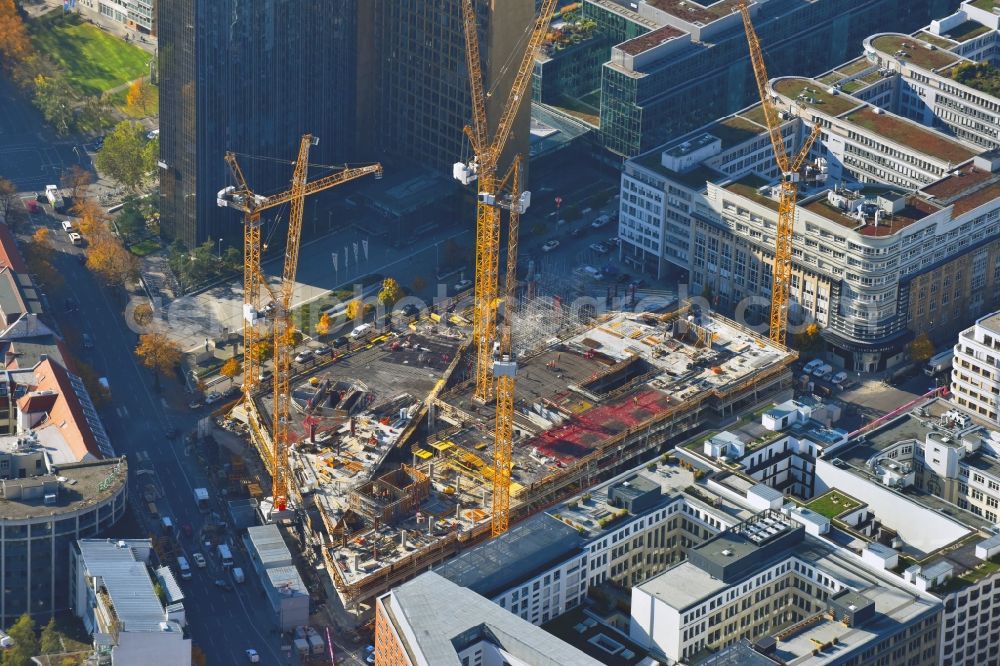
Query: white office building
pixel 623 531
pixel 975 373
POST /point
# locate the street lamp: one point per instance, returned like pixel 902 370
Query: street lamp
pixel 220 248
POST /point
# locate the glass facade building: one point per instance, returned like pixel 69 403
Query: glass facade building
pixel 653 95
pixel 248 76
pixel 417 62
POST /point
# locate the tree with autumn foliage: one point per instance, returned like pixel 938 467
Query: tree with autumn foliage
pixel 109 259
pixel 93 221
pixel 8 194
pixel 15 46
pixel 357 310
pixel 810 339
pixel 137 98
pixel 921 348
pixel 76 179
pixel 390 292
pixel 262 350
pixel 231 369
pixel 323 325
pixel 38 256
pixel 158 353
pixel 142 315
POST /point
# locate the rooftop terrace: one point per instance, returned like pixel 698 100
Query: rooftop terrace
pixel 912 135
pixel 86 484
pixel 650 40
pixel 748 186
pixel 915 210
pixel 734 130
pixel 692 11
pixel 914 51
pixel 813 94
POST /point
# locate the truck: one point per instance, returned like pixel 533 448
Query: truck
pixel 939 363
pixel 225 556
pixel 201 497
pixel 55 197
pixel 183 567
pixel 168 525
pixel 238 575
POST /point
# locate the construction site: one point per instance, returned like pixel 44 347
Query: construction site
pixel 392 470
pixel 392 454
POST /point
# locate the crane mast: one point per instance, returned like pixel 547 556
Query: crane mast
pixel 781 279
pixel 505 363
pixel 484 168
pixel 242 198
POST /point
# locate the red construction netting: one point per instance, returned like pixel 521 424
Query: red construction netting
pixel 582 434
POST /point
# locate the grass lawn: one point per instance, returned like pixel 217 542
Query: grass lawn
pixel 152 107
pixel 144 247
pixel 94 61
pixel 832 504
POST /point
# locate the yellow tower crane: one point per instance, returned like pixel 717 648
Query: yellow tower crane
pixel 487 152
pixel 781 280
pixel 243 199
pixel 505 364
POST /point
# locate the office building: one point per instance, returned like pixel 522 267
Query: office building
pixel 622 531
pixel 248 77
pixel 135 14
pixel 113 593
pixel 897 222
pixel 418 98
pixel 916 496
pixel 975 373
pixel 430 620
pixel 799 597
pixel 641 73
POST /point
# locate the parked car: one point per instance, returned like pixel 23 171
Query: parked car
pixel 550 245
pixel 839 377
pixel 304 356
pixel 823 372
pixel 462 285
pixel 812 365
pixel 253 656
pixel 342 341
pixel 195 404
pixel 212 396
pixel 362 330
pixel 600 221
pixel 410 310
pixel 75 238
pixel 600 248
pixel 223 584
pixel 199 560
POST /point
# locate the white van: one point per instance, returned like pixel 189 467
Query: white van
pixel 184 567
pixel 362 331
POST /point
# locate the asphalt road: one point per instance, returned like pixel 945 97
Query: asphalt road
pixel 223 623
pixel 30 154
